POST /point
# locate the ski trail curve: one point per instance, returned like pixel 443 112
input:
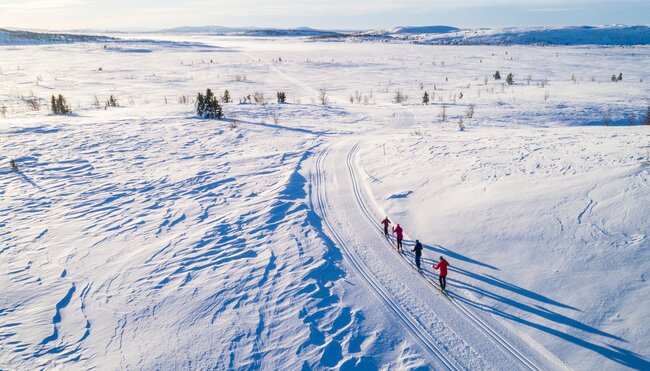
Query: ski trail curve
pixel 484 324
pixel 425 333
pixel 437 355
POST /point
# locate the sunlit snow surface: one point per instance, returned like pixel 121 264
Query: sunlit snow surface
pixel 144 237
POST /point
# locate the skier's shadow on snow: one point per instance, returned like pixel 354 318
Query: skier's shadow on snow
pixel 616 354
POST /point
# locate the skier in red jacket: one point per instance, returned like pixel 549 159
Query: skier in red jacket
pixel 442 265
pixel 398 234
pixel 386 223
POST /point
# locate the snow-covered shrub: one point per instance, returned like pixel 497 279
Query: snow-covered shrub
pixel 357 96
pixel 443 113
pixel 207 106
pixel 470 111
pixel 282 97
pixel 510 79
pixel 322 97
pixel 3 111
pixel 246 100
pixel 461 126
pixel 259 98
pixel 12 164
pixel 33 104
pixel 59 105
pixel 425 98
pixel 111 102
pixel 399 97
pixel 497 75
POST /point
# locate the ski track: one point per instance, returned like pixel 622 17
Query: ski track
pixel 439 356
pixel 498 339
pixel 422 326
pixel 361 201
pixel 534 358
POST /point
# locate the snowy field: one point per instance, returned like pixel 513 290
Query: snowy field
pixel 144 237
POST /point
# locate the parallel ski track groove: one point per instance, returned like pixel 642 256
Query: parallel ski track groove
pixel 411 324
pixel 503 343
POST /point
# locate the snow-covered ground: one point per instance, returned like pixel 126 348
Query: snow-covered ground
pixel 141 236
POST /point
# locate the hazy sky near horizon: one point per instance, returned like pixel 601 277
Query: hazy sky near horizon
pixel 330 14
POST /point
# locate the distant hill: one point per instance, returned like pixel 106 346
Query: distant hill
pixel 254 31
pixel 12 37
pixel 576 35
pixel 423 30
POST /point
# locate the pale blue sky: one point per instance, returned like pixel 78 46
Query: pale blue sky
pixel 332 14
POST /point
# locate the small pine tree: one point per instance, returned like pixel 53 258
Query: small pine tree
pixel 60 106
pixel 510 79
pixel 425 98
pixel 200 104
pixel 282 97
pixel 497 75
pixel 614 78
pixel 620 76
pixel 13 165
pixel 226 97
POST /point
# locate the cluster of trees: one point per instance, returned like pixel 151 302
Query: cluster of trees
pixel 510 78
pixel 59 105
pixel 207 106
pixel 617 78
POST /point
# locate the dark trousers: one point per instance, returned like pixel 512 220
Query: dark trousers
pixel 417 260
pixel 386 231
pixel 443 282
pixel 399 243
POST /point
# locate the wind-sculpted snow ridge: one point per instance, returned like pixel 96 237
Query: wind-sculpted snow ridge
pixel 178 233
pixel 13 37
